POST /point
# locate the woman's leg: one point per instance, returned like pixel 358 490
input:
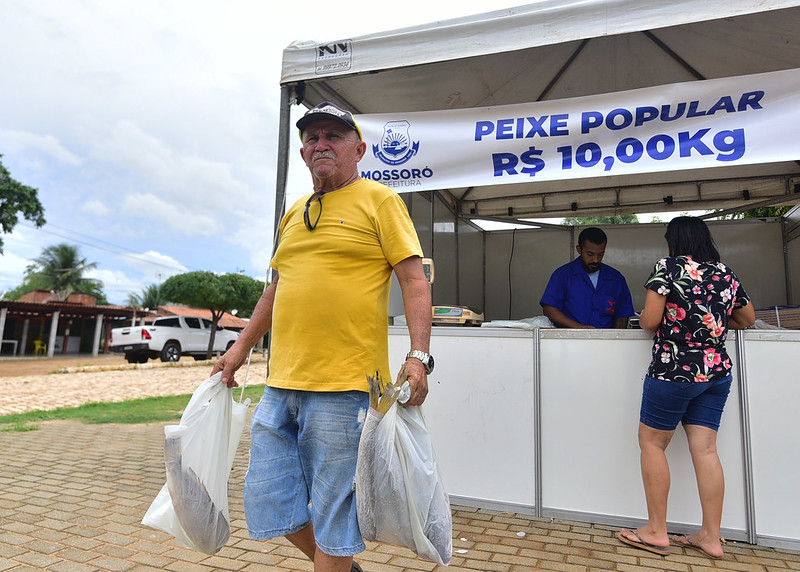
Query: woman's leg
pixel 655 477
pixel 710 486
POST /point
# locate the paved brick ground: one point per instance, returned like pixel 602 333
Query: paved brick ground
pixel 72 497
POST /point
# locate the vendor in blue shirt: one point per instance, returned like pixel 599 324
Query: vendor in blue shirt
pixel 586 293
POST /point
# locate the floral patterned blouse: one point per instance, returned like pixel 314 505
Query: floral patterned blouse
pixel 689 345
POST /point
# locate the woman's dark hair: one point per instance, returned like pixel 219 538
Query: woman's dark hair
pixel 689 236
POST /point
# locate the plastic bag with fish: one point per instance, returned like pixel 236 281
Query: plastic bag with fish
pixel 400 495
pixel 193 504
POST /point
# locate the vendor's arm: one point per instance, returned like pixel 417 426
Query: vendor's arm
pixel 653 312
pixel 560 319
pixel 742 318
pixel 417 302
pixel 621 323
pixel 256 329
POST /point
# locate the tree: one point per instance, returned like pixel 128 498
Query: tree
pixel 60 269
pixel 214 292
pixel 605 219
pixel 148 298
pixel 16 199
pixel 16 293
pixel 763 212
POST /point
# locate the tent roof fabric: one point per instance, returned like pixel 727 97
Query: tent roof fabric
pixel 545 23
pixel 557 49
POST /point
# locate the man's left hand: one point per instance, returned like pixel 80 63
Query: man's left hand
pixel 414 371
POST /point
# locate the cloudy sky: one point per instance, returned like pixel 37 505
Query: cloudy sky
pixel 149 127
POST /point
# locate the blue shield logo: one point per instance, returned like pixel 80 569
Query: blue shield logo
pixel 396 147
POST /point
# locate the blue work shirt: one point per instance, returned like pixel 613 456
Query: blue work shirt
pixel 571 291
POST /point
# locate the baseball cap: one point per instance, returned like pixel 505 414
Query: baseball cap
pixel 328 110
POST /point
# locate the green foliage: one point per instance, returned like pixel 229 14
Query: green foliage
pixel 763 212
pixel 60 269
pixel 593 220
pixel 15 293
pixel 16 199
pixel 150 297
pixel 146 410
pixel 214 292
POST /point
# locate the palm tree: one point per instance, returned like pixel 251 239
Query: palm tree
pixel 148 298
pixel 60 269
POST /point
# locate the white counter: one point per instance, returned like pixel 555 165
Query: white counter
pixel 544 422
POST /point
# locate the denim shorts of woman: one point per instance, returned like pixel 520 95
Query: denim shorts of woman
pixel 667 403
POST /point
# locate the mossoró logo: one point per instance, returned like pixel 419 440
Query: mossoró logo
pixel 395 147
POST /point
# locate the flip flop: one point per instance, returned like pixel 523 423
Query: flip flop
pixel 660 550
pixel 684 541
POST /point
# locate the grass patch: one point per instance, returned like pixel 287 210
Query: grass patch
pixel 145 410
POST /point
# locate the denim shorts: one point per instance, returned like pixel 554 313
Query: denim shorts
pixel 666 403
pixel 303 452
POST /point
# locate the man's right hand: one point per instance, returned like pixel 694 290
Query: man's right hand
pixel 230 361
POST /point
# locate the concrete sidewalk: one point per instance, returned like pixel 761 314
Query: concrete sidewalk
pixel 72 497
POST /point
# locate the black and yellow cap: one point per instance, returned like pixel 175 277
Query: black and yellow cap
pixel 328 110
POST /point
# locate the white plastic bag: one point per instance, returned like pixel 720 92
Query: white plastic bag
pixel 193 504
pixel 400 495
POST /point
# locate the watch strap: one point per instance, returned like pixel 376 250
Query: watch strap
pixel 425 358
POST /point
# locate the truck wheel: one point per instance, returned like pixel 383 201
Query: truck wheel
pixel 229 346
pixel 142 358
pixel 134 358
pixel 171 352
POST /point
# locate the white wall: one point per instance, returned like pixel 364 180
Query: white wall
pixel 504 273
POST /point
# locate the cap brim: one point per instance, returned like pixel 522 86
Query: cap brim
pixel 307 120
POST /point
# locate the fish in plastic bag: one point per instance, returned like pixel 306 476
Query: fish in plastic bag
pixel 204 522
pixel 193 504
pixel 400 495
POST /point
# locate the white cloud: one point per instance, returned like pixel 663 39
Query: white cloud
pixel 179 175
pixel 111 279
pixel 117 286
pixel 20 247
pixel 96 208
pixel 12 269
pixel 172 214
pixel 24 141
pixel 158 267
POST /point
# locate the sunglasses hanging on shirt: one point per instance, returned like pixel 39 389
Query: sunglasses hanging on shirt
pixel 306 216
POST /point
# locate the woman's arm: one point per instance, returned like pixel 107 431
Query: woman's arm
pixel 653 311
pixel 742 318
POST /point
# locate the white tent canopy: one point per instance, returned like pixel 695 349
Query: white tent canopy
pixel 554 50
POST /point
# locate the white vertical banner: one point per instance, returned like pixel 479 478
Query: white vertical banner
pixel 712 123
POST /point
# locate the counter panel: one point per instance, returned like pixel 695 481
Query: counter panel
pixel 479 412
pixel 591 394
pixel 774 396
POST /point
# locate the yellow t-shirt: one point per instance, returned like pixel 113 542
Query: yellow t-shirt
pixel 330 315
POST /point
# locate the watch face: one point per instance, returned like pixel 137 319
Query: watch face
pixel 429 365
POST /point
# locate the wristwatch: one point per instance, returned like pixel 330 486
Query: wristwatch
pixel 426 359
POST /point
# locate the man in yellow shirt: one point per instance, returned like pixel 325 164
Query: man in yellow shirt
pixel 327 310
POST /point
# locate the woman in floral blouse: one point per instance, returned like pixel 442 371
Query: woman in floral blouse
pixel 692 301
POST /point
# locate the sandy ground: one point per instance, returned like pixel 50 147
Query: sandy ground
pixel 47 383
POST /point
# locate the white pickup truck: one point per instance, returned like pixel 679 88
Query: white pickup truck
pixel 169 338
